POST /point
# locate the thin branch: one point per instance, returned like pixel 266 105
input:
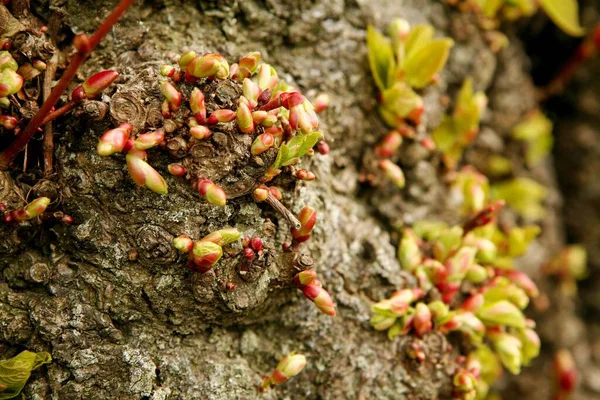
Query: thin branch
pixel 48 145
pixel 85 45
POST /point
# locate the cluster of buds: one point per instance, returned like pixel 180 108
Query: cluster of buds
pixel 469 188
pixel 10 81
pixel 119 140
pixel 465 385
pixel 312 288
pixel 252 247
pixel 206 252
pixel 487 309
pixel 288 367
pixel 409 59
pixel 29 212
pixel 569 265
pixel 212 192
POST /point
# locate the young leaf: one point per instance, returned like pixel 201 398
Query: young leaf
pixel 15 372
pixel 565 14
pixel 418 37
pixel 536 130
pixel 381 57
pixel 400 100
pixel 427 61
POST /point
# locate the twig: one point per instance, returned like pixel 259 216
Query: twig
pixel 48 146
pixel 84 45
pixel 280 208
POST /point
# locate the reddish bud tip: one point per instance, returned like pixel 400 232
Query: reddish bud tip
pixel 323 147
pixel 176 169
pixel 261 193
pixel 95 84
pixel 305 175
pixel 249 253
pixel 82 44
pixel 275 192
pixel 221 116
pixel 257 243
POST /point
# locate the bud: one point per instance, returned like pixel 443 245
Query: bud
pixel 467 323
pixel 7 122
pixel 508 349
pixel 304 278
pixel 114 140
pixel 531 344
pixel 205 255
pixel 389 145
pixel 209 65
pixel 249 253
pixel 565 373
pixel 144 175
pixel 197 105
pixel 435 270
pixel 308 219
pixel 148 140
pixel 438 310
pixel 221 116
pixel 523 281
pixel 486 249
pixel 261 193
pixel 7 62
pixel 323 148
pixel 259 116
pixel 422 319
pixel 486 215
pixel 10 82
pixel 473 303
pixel 213 193
pixel 447 242
pixel 251 92
pixel 305 175
pixel 244 117
pixel 321 102
pixel 183 243
pixel 315 293
pixel 31 210
pixel 250 61
pixel 477 274
pixel 256 243
pixel 275 192
pixel 398 31
pixel 267 77
pixel 300 119
pixel 172 95
pixel 200 132
pixel 95 84
pixel 465 385
pixel 222 236
pixel 458 265
pixel 381 322
pixel 288 367
pixel 167 71
pixel 401 300
pixel 409 254
pixel 502 312
pixel 186 58
pixel 393 172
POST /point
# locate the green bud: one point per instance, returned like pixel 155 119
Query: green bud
pixel 502 312
pixel 409 254
pixel 508 349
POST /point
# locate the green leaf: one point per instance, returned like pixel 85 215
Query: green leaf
pixel 536 130
pixel 381 58
pixel 502 312
pixel 565 14
pixel 422 64
pixel 15 372
pixel 418 37
pixel 400 100
pixel 310 140
pixel 524 195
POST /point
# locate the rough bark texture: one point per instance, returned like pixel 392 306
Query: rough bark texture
pixel 114 303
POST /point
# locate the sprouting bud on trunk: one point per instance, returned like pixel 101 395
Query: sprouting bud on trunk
pixel 262 143
pixel 382 322
pixel 222 236
pixel 502 312
pixel 319 296
pixel 389 145
pixel 251 92
pixel 321 102
pixel 183 243
pixel 486 215
pixel 149 140
pixel 422 319
pixel 523 281
pixel 434 269
pixel 275 192
pixel 7 62
pixel 200 132
pixel 401 300
pixel 212 192
pixel 465 385
pixel 259 116
pixel 144 175
pixel 95 84
pixel 393 172
pixel 186 58
pixel 473 303
pixel 288 367
pixel 565 374
pixel 244 117
pixel 209 65
pixel 261 193
pixel 172 95
pixel 205 255
pixel 176 169
pixel 458 265
pixel 531 344
pixel 39 65
pixel 250 61
pixel 308 219
pixel 249 253
pixel 256 243
pixel 267 77
pixel 439 310
pixel 198 106
pixel 10 82
pixel 300 119
pixel 323 147
pixel 114 140
pixel 304 278
pixel 167 71
pixel 508 349
pixel 305 175
pixel 31 210
pixel 221 116
pixel 7 122
pixel 409 254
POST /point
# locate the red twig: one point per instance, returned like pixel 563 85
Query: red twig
pixel 57 113
pixel 84 45
pixel 48 146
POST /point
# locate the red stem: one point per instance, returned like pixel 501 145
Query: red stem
pixel 57 113
pixel 8 155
